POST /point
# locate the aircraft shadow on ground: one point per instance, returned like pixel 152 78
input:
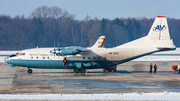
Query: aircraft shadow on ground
pixel 117 72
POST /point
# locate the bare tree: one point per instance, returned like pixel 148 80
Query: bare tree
pixel 55 12
pixel 50 12
pixel 40 12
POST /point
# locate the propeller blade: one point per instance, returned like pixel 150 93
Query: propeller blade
pixel 58 49
pixel 54 48
pixel 58 46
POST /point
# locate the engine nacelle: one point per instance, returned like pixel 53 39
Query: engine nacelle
pixel 68 51
pixel 65 52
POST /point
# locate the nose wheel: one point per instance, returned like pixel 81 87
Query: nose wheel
pixel 30 71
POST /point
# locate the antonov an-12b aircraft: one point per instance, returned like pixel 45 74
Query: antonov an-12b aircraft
pixel 80 59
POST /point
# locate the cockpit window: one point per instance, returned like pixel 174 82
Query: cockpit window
pixel 17 53
pixel 12 55
pixel 21 53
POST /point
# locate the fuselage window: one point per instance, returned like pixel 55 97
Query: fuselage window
pixel 36 57
pixel 94 58
pixel 47 57
pixel 23 53
pixel 89 58
pixel 83 57
pixel 31 57
pixel 43 57
pixel 98 58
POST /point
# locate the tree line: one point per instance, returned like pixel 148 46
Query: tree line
pixel 48 24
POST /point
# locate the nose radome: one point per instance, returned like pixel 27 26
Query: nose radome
pixel 9 62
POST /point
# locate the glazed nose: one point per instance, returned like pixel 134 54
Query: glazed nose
pixel 5 59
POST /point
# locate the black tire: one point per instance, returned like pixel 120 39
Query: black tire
pixel 83 70
pixel 175 69
pixel 30 71
pixel 76 70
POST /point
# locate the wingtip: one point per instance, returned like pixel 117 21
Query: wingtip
pixel 86 51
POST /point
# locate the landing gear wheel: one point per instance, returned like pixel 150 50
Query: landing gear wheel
pixel 175 69
pixel 30 71
pixel 76 70
pixel 83 70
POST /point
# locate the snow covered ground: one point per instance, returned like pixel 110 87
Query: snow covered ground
pixel 158 58
pixel 122 96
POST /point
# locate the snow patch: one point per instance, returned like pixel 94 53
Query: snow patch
pixel 122 96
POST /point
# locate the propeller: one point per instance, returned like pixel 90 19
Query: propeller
pixel 54 50
pixel 58 49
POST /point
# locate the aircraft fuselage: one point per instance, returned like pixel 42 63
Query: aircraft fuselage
pixel 98 58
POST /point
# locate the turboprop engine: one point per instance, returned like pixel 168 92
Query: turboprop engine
pixel 64 52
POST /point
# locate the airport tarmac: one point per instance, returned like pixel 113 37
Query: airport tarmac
pixel 130 77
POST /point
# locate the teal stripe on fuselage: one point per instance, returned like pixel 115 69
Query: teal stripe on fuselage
pixel 45 64
pixel 55 64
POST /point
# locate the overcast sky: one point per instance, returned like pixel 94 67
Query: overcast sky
pixel 110 9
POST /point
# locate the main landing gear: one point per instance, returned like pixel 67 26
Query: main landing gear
pixel 29 71
pixel 79 70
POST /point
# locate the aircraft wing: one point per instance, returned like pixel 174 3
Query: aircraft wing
pixel 82 49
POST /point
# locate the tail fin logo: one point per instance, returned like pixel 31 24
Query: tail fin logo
pixel 159 28
pixel 99 42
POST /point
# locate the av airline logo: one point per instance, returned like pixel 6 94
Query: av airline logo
pixel 159 28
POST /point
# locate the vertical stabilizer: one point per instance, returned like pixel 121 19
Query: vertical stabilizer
pixel 158 36
pixel 159 29
pixel 100 42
